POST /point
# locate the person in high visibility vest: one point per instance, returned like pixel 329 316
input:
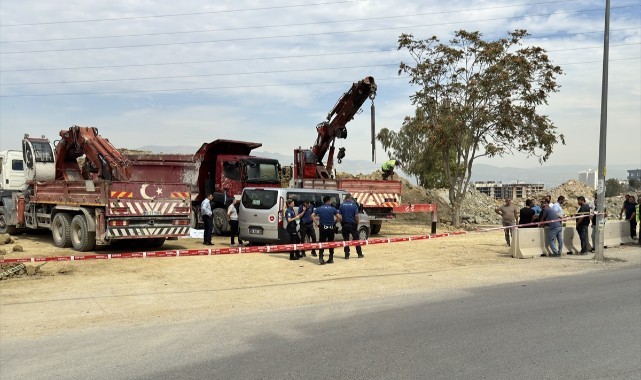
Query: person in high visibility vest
pixel 388 168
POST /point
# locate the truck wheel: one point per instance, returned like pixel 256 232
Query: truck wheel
pixel 376 228
pixel 5 228
pixel 193 219
pixel 61 230
pixel 363 233
pixel 221 225
pixel 81 239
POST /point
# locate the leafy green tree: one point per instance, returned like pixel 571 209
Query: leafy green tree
pixel 613 187
pixel 475 98
pixel 634 184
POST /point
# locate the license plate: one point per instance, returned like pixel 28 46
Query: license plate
pixel 255 231
pixel 150 213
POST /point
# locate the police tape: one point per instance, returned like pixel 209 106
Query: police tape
pixel 232 250
pixel 269 248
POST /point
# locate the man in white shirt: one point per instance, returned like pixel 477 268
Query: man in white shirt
pixel 558 206
pixel 205 210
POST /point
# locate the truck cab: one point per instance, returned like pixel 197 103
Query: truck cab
pixel 11 171
pixel 12 181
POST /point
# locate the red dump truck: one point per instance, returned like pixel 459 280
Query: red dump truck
pixel 83 192
pixel 222 167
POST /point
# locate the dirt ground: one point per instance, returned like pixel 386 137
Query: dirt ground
pixel 93 294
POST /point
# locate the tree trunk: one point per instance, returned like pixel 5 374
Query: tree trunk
pixel 456 214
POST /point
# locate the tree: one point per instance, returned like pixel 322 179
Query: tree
pixel 475 98
pixel 634 184
pixel 613 187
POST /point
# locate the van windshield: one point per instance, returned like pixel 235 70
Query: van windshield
pixel 260 199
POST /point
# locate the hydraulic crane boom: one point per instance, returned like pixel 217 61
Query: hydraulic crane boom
pixel 331 129
pixel 102 160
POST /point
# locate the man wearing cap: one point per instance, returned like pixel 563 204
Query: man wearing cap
pixel 327 216
pixel 349 224
pixel 307 224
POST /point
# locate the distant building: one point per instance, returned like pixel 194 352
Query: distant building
pixel 634 174
pixel 589 178
pixel 499 190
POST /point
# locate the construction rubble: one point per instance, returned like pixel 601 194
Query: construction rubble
pixel 8 244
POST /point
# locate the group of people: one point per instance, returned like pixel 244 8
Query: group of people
pixel 324 217
pixel 551 215
pixel 232 217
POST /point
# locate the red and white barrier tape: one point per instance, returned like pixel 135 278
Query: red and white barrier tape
pixel 265 248
pixel 228 251
pixel 538 224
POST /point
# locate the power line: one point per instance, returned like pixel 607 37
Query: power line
pixel 205 61
pixel 248 86
pixel 300 35
pixel 182 14
pixel 279 57
pixel 286 25
pixel 203 75
pixel 253 72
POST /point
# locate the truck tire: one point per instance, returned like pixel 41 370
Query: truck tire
pixel 61 230
pixel 363 233
pixel 193 219
pixel 376 228
pixel 81 239
pixel 4 227
pixel 221 225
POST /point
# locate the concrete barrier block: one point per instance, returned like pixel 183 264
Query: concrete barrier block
pixel 616 233
pixel 528 243
pixel 571 240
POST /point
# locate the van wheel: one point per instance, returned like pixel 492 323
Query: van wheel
pixel 376 228
pixel 5 228
pixel 221 225
pixel 81 239
pixel 61 230
pixel 363 233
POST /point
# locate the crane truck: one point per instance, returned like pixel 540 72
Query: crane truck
pixel 82 190
pixel 381 199
pixel 222 168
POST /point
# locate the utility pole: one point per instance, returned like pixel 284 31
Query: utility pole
pixel 600 206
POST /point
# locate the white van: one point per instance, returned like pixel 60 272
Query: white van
pixel 260 218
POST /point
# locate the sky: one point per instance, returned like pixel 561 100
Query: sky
pixel 184 73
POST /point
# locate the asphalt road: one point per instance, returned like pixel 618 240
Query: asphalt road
pixel 583 327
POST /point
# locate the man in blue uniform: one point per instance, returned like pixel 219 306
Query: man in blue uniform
pixel 327 215
pixel 307 224
pixel 349 222
pixel 294 238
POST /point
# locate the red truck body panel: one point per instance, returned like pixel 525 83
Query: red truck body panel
pixel 203 171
